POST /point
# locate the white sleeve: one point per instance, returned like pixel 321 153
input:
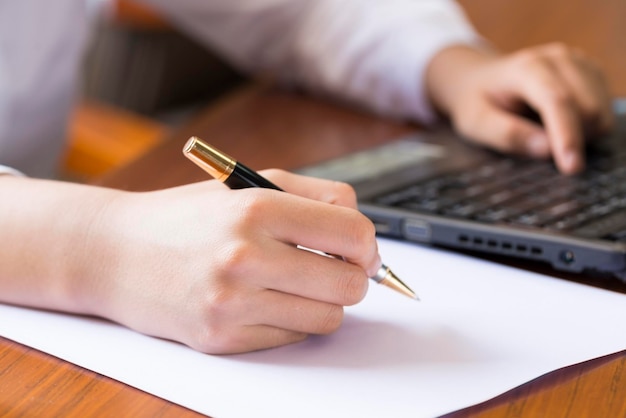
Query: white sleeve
pixel 8 170
pixel 41 46
pixel 366 51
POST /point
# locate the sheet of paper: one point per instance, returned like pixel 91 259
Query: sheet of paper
pixel 480 329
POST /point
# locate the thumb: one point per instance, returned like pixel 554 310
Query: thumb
pixel 328 191
pixel 506 132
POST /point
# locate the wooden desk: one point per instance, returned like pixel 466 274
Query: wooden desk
pixel 289 131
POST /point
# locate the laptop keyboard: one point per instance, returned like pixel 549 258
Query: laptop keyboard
pixel 528 194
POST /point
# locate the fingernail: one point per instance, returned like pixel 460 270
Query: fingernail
pixel 538 146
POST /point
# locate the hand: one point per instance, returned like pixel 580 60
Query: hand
pixel 485 95
pixel 218 269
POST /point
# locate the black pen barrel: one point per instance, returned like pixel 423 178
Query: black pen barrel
pixel 243 177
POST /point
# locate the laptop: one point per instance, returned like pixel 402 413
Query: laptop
pixel 434 188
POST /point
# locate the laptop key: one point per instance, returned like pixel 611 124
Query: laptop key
pixel 564 224
pixel 427 205
pixel 560 209
pixel 465 209
pixel 527 219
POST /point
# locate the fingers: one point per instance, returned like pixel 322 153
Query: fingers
pixel 242 318
pixel 565 88
pixel 274 264
pixel 328 191
pixel 506 132
pixel 544 90
pixel 260 337
pixel 270 319
pixel 588 86
pixel 265 291
pixel 307 274
pixel 304 315
pixel 220 270
pixel 568 95
pixel 319 226
pixel 244 339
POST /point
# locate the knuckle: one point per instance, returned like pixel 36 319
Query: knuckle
pixel 528 57
pixel 359 233
pixel 558 49
pixel 215 308
pixel 252 207
pixel 237 259
pixel 464 127
pixel 560 97
pixel 344 189
pixel 215 341
pixel 469 128
pixel 215 335
pixel 503 137
pixel 208 341
pixel 330 320
pixel 466 122
pixel 274 173
pixel 364 232
pixel 363 239
pixel 531 57
pixel 509 133
pixel 351 287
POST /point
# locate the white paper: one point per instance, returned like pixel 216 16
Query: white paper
pixel 480 330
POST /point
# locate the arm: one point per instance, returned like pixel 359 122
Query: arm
pixel 404 57
pixel 371 53
pixel 178 265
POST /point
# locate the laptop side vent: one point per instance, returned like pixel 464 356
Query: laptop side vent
pixel 498 246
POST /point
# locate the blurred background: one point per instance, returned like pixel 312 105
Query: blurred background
pixel 143 78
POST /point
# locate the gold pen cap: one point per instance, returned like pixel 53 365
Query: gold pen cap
pixel 219 165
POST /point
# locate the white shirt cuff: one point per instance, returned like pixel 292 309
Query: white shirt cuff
pixel 8 170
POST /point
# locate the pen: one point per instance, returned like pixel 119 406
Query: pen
pixel 237 176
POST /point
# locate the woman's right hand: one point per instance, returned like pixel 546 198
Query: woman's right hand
pixel 219 269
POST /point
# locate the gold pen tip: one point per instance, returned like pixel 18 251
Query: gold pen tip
pixel 389 279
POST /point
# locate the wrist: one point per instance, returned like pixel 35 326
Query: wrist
pixel 93 267
pixel 48 246
pixel 450 74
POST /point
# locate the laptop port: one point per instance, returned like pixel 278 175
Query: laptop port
pixel 417 230
pixel 567 257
